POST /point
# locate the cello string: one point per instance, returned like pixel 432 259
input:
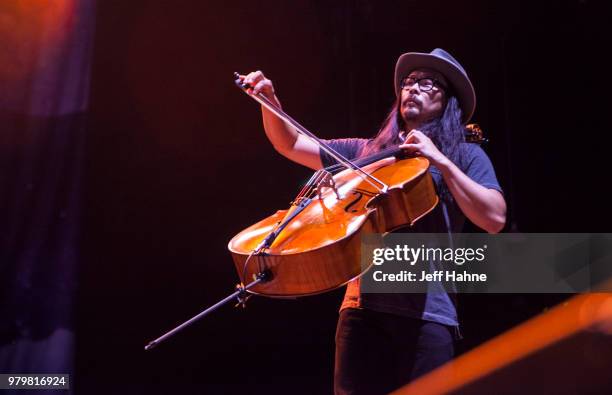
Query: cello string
pixel 366 160
pixel 310 185
pixel 307 185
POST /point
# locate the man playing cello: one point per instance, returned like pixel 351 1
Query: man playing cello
pixel 385 340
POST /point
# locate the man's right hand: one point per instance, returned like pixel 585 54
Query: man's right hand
pixel 259 83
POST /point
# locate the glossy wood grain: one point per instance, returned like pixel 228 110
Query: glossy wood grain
pixel 320 249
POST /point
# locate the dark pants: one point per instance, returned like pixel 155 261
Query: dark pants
pixel 377 353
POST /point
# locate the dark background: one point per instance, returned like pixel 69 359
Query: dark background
pixel 176 163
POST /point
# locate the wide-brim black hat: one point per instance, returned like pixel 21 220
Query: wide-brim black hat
pixel 442 62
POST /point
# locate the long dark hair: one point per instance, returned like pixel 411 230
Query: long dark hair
pixel 447 133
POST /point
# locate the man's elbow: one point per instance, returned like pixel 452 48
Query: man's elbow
pixel 496 223
pixel 284 150
pixel 497 215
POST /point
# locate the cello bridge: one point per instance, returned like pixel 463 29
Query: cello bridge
pixel 326 180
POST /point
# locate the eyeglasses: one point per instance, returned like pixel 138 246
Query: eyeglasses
pixel 425 84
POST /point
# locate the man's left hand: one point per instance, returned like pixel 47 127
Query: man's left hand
pixel 418 144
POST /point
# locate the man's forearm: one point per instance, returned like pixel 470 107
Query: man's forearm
pixel 281 135
pixel 485 207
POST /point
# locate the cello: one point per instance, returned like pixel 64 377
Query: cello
pixel 315 245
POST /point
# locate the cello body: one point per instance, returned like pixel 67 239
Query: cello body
pixel 320 249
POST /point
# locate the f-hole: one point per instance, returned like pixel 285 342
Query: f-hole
pixel 358 195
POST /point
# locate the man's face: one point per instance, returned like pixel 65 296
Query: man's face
pixel 419 105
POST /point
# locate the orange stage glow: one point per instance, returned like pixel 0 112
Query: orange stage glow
pixel 31 35
pixel 591 311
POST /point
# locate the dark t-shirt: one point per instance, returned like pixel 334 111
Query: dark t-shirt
pixel 435 305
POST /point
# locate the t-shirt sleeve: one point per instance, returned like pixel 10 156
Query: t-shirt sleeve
pixel 480 169
pixel 349 148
